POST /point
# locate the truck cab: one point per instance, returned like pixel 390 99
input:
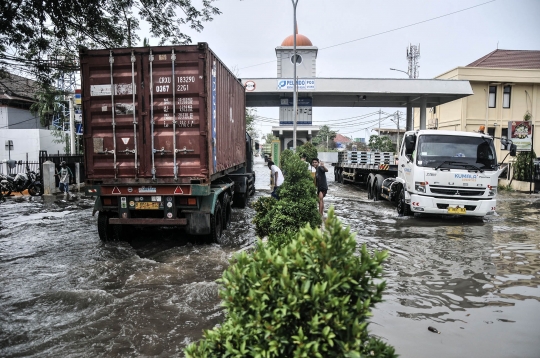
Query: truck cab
pixel 447 172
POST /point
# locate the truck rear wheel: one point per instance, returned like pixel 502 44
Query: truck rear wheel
pixel 105 230
pixel 403 208
pixel 377 187
pixel 216 224
pixel 226 211
pixel 369 185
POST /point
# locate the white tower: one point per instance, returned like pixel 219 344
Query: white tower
pixel 305 69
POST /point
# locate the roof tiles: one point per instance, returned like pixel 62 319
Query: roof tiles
pixel 526 59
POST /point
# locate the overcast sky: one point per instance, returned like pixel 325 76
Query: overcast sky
pixel 247 32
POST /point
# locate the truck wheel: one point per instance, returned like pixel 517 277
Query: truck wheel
pixel 216 224
pixel 241 200
pixel 377 187
pixel 336 175
pixel 402 208
pixel 36 189
pixel 226 211
pixel 369 185
pixel 341 178
pixel 105 231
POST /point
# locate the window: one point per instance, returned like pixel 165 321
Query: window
pixel 492 102
pixel 491 131
pixel 506 96
pixel 298 59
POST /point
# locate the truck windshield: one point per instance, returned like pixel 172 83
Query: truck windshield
pixel 451 152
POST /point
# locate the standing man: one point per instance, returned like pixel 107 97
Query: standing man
pixel 277 176
pixel 65 175
pixel 320 182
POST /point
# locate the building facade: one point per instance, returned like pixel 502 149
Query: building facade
pixel 506 86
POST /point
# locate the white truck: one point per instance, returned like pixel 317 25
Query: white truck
pixel 437 172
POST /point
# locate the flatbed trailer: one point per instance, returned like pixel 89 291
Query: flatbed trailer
pixel 371 175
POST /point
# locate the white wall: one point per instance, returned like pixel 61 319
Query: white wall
pixel 29 141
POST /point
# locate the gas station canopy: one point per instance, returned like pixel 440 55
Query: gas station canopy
pixel 356 92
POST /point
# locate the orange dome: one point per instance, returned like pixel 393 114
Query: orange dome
pixel 301 40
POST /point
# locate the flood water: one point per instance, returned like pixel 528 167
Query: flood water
pixel 64 293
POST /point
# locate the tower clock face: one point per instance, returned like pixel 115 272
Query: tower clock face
pixel 298 59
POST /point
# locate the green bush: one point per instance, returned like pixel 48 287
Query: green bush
pixel 297 205
pixel 524 167
pixel 310 298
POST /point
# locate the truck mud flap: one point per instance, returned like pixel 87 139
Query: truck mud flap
pixel 198 223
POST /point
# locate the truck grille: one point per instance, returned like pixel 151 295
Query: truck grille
pixel 458 191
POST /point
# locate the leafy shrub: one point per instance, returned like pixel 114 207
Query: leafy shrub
pixel 524 167
pixel 297 205
pixel 262 220
pixel 286 155
pixel 310 298
pixel 309 150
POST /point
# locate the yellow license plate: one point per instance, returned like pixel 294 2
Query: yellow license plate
pixel 146 205
pixel 457 211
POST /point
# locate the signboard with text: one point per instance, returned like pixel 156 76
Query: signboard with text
pixel 302 84
pixel 520 132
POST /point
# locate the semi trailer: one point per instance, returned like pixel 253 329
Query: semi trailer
pixel 165 140
pixel 436 172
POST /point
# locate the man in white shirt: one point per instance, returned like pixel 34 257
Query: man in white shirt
pixel 277 175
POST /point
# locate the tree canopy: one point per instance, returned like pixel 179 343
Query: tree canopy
pixel 381 144
pixel 325 134
pixel 40 38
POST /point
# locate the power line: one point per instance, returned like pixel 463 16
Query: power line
pixel 386 32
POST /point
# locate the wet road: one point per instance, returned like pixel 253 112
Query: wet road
pixel 64 293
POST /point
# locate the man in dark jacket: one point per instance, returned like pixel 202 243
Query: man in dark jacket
pixel 320 182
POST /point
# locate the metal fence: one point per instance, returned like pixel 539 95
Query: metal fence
pixel 59 158
pixel 20 167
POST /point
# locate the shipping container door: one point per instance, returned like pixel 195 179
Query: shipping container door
pixel 114 133
pixel 177 127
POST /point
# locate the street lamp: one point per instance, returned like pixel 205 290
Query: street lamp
pixel 295 95
pixel 407 73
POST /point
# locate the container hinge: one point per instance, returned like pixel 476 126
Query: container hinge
pixel 128 151
pixel 161 151
pixel 184 150
pixel 106 151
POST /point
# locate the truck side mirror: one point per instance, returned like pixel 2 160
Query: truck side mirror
pixel 513 150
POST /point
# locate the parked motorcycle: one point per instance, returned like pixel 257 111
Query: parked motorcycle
pixel 22 181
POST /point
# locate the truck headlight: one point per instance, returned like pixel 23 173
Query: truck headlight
pixel 492 190
pixel 420 186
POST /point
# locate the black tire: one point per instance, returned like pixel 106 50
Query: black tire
pixel 341 176
pixel 35 189
pixel 403 208
pixel 241 200
pixel 369 186
pixel 105 230
pixel 377 187
pixel 216 225
pixel 336 175
pixel 226 211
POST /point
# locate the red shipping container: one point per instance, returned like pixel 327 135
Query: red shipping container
pixel 172 114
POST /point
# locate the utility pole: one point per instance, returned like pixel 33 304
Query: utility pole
pixel 295 86
pixel 72 125
pixel 397 140
pixel 380 122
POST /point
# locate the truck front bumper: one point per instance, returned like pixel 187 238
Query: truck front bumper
pixel 444 206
